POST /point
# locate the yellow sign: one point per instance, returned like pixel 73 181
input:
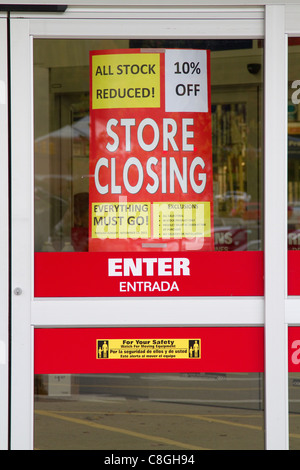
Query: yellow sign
pixel 181 219
pixel 126 81
pixel 121 220
pixel 148 348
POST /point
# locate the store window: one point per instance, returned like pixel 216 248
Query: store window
pixel 293 232
pixel 208 171
pixel 294 383
pixel 293 165
pixel 180 173
pixel 149 404
pixel 153 412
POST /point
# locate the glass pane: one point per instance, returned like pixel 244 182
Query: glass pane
pixel 293 144
pixel 62 193
pixel 293 231
pixel 294 384
pixel 293 165
pixel 151 412
pixel 128 393
pixel 294 408
pixel 206 170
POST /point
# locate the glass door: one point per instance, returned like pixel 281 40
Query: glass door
pixel 293 33
pixel 137 232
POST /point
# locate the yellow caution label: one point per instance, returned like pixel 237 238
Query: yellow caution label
pixel 121 220
pixel 181 219
pixel 126 81
pixel 148 348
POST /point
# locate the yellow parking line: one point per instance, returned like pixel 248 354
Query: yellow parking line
pixel 153 438
pixel 165 415
pixel 147 437
pixel 165 387
pixel 222 421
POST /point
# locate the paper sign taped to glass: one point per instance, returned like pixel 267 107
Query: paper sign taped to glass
pixel 151 184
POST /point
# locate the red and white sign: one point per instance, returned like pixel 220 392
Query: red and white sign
pixel 151 187
pixel 210 273
pixel 150 151
pixel 223 349
pixel 76 350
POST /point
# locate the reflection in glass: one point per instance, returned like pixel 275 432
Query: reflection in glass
pixel 149 412
pixel 211 411
pixel 294 411
pixel 293 145
pixel 294 211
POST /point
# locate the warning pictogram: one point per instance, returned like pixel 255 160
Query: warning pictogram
pixel 194 348
pixel 102 349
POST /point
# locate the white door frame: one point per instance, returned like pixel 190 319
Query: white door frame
pixel 275 190
pixel 248 311
pixel 4 243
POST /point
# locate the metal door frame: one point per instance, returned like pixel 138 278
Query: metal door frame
pixel 4 236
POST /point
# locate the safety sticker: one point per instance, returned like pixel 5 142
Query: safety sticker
pixel 148 348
